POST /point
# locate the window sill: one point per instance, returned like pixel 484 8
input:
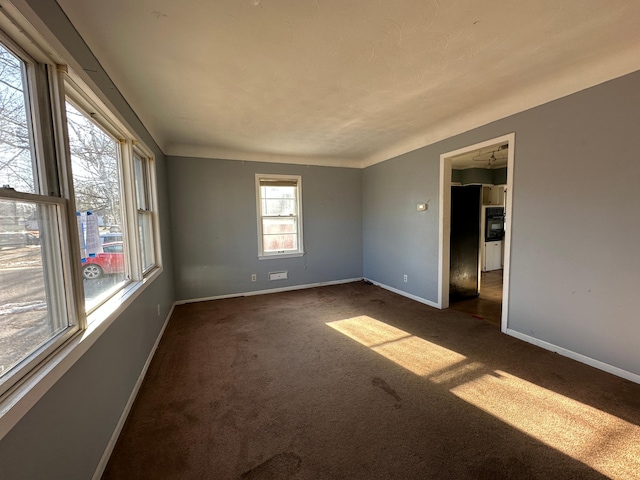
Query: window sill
pixel 280 255
pixel 23 396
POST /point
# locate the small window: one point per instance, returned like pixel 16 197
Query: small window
pixel 142 174
pixel 279 215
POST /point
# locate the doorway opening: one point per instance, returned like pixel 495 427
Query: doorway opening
pixel 476 192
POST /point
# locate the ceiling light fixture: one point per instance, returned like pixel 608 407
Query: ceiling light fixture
pixel 491 160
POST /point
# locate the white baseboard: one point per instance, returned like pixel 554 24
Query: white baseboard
pixel 271 290
pixel 405 294
pixel 127 408
pixel 575 356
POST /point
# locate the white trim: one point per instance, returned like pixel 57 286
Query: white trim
pixel 404 294
pixel 280 255
pixel 102 464
pixel 575 356
pixel 94 110
pixel 444 226
pixel 506 269
pixel 271 290
pixel 444 222
pixel 203 151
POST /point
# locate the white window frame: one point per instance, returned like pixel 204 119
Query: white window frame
pixel 151 203
pixel 262 255
pixel 84 104
pixel 40 371
pixel 46 194
pixel 87 103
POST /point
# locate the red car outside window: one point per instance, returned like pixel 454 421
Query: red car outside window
pixel 111 261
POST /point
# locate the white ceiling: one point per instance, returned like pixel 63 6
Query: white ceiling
pixel 335 82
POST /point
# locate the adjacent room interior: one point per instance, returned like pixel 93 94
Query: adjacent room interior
pixel 305 239
pixel 477 238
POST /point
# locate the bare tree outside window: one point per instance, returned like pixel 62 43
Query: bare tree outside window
pixel 96 182
pixel 32 310
pixel 38 259
pixel 16 155
pixel 94 158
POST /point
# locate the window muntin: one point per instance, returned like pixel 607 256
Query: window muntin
pixel 96 173
pixel 279 215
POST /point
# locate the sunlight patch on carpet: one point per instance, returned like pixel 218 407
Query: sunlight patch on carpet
pixel 602 441
pixel 413 353
pixel 598 439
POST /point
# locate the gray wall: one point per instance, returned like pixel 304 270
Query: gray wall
pixel 214 226
pixel 66 432
pixel 575 263
pixel 397 238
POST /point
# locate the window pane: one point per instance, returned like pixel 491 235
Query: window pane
pixel 32 299
pixel 281 207
pixel 140 178
pixel 96 181
pixel 278 225
pixel 278 200
pixel 280 243
pixel 16 152
pixel 145 228
pixel 278 192
pixel 279 234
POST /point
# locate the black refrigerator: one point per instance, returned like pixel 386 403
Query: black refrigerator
pixel 465 242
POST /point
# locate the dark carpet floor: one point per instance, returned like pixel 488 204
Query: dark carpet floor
pixel 355 382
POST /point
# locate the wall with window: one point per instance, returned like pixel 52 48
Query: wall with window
pixel 58 423
pixel 575 266
pixel 215 226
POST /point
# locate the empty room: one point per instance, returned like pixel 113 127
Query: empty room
pixel 308 239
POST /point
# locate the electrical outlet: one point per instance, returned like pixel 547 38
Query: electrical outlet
pixel 254 277
pixel 406 278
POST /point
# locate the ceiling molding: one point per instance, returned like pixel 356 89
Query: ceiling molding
pixel 204 151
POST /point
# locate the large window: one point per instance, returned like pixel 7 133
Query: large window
pixel 78 216
pixel 97 185
pixel 279 215
pixel 35 311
